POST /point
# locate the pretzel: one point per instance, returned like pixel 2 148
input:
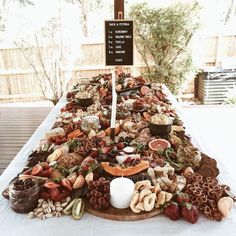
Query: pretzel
pixel 212 181
pixel 208 213
pixel 196 201
pixel 205 194
pixel 197 191
pixel 212 203
pixel 217 215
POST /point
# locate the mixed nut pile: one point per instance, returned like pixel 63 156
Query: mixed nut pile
pixel 73 165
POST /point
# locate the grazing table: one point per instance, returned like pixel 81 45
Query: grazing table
pixel 12 224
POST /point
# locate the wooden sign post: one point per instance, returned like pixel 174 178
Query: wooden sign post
pixel 118 50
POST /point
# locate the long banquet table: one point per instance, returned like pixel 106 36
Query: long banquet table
pixel 13 224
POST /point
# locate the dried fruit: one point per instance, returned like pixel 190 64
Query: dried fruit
pixel 224 205
pixel 172 211
pixel 159 144
pixel 190 213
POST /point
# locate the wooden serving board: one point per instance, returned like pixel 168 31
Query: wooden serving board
pixel 112 213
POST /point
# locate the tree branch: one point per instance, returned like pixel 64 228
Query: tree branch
pixel 181 49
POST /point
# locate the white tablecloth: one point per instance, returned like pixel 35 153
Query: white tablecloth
pixel 12 224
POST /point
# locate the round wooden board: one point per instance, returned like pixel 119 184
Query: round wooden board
pixel 112 213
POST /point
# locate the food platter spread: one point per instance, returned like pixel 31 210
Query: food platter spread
pixel 150 168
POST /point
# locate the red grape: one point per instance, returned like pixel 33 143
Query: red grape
pixel 106 189
pixel 93 200
pixel 98 194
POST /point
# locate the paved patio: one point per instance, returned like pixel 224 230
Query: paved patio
pixel 17 124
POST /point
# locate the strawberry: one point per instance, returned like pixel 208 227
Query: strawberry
pixel 106 149
pixel 182 198
pixel 72 177
pixel 63 193
pixel 50 184
pixel 45 165
pixel 102 143
pixel 128 160
pixel 37 170
pixel 190 213
pixel 95 153
pixel 120 146
pixel 47 172
pixel 172 211
pixel 66 183
pixel 54 193
pixel 45 195
pixel 27 172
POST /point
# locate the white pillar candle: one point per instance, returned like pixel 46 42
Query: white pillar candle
pixel 121 190
pixel 114 101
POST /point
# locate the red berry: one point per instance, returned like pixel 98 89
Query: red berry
pixel 106 189
pixel 66 183
pixel 182 198
pixel 50 184
pixel 47 173
pixel 190 213
pixel 37 170
pixel 93 200
pixel 45 165
pixel 120 146
pixel 172 211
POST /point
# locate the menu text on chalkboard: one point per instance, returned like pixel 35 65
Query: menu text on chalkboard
pixel 119 42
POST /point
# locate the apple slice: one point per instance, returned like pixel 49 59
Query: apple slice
pixel 128 150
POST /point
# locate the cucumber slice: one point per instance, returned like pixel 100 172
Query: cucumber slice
pixel 68 209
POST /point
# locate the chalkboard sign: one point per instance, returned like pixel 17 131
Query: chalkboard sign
pixel 119 42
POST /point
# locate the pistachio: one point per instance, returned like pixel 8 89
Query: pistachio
pixel 42 217
pixel 40 209
pixel 58 214
pixel 63 204
pixel 40 214
pixel 45 205
pixel 40 200
pixel 68 199
pixel 48 215
pixel 59 208
pixel 57 204
pixel 31 215
pixel 48 210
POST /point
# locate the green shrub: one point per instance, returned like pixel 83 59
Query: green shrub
pixel 162 37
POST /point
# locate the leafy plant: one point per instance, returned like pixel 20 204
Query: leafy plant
pixel 162 37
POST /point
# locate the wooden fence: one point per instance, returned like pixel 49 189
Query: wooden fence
pixel 19 82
